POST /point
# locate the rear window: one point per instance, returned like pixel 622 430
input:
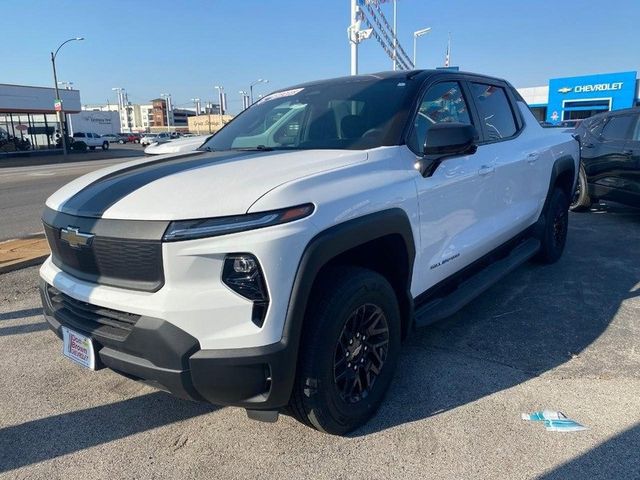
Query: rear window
pixel 494 110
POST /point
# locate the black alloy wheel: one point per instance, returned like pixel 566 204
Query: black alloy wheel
pixel 361 352
pixel 349 350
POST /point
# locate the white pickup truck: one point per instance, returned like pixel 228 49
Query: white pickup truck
pixel 282 264
pixel 91 140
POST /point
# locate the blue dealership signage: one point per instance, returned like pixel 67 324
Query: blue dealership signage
pixel 609 91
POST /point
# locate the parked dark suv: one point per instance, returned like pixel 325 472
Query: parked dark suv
pixel 610 159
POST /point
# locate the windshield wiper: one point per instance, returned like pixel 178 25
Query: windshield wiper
pixel 257 148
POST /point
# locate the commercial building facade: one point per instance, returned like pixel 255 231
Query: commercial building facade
pixel 133 117
pixel 28 119
pixel 205 124
pixel 573 98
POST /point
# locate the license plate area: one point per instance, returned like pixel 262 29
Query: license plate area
pixel 78 348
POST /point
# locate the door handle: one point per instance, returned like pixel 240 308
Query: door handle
pixel 533 157
pixel 588 145
pixel 486 169
pixel 627 153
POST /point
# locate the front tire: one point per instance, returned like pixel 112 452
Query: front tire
pixel 556 227
pixel 581 201
pixel 348 352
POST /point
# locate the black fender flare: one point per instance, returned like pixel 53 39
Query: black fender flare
pixel 325 246
pixel 566 163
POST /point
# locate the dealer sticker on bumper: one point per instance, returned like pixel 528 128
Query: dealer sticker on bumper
pixel 78 348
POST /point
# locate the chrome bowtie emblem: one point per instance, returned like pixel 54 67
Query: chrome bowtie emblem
pixel 75 238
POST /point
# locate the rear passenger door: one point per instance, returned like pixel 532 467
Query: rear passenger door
pixel 633 172
pixel 514 178
pixel 609 159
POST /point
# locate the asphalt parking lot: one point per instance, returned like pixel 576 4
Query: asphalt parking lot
pixel 563 337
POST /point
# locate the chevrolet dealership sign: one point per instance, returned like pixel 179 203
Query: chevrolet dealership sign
pixel 590 93
pixel 598 87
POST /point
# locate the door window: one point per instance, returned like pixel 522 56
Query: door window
pixel 618 127
pixel 636 130
pixel 443 102
pixel 495 111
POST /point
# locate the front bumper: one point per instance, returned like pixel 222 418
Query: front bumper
pixel 161 354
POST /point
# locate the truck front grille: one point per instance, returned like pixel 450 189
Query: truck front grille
pixel 126 263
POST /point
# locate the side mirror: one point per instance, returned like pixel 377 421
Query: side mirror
pixel 446 140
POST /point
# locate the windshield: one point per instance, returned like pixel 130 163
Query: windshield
pixel 332 115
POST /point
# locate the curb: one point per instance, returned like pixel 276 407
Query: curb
pixel 23 252
pixel 22 264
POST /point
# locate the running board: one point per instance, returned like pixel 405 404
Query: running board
pixel 440 308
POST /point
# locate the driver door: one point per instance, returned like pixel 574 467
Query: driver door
pixel 456 201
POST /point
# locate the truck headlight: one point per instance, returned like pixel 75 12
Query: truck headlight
pixel 212 227
pixel 242 274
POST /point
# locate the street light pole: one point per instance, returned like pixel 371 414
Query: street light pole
pixel 416 34
pixel 196 103
pixel 60 113
pixel 119 91
pixel 260 80
pixel 220 100
pixel 244 99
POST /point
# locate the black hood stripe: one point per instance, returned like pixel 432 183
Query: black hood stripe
pixel 94 199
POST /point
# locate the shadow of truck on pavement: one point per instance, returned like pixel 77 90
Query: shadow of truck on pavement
pixel 532 321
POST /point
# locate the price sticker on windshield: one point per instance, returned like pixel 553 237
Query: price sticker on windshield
pixel 286 93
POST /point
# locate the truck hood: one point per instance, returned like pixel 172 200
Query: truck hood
pixel 188 144
pixel 192 185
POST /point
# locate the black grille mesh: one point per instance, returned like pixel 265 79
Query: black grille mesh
pixel 126 263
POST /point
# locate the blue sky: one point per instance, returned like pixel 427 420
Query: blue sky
pixel 187 47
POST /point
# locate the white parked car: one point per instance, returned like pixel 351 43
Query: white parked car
pixel 92 140
pixel 283 264
pixel 147 139
pixel 178 145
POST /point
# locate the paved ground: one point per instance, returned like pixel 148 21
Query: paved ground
pixel 562 337
pixel 23 190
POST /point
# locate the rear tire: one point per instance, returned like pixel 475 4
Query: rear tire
pixel 554 235
pixel 348 352
pixel 581 201
pixel 105 146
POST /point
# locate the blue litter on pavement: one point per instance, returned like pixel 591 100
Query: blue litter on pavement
pixel 554 421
